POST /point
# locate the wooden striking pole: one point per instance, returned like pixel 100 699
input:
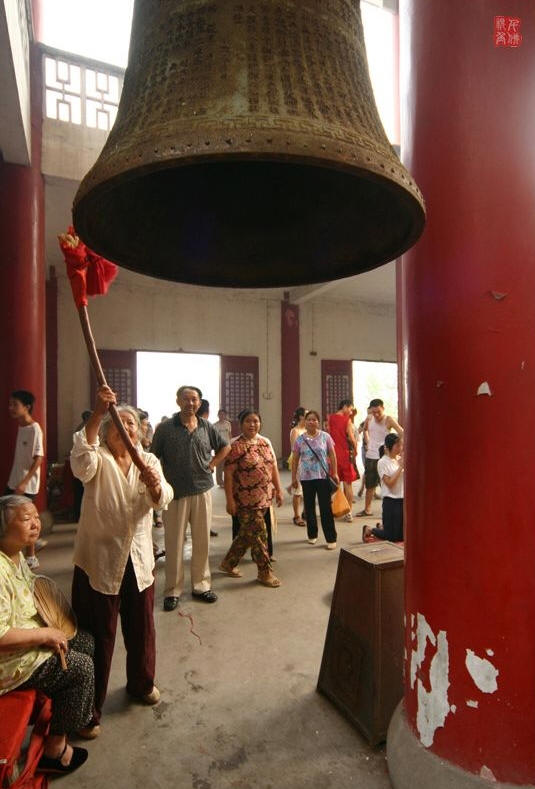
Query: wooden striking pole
pixel 101 378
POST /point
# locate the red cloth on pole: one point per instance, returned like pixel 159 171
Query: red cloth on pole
pixel 89 273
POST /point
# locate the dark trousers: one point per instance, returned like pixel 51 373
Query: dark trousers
pixel 392 521
pixel 72 690
pixel 319 488
pixel 267 521
pixel 97 613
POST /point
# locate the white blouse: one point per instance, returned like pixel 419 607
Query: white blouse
pixel 116 517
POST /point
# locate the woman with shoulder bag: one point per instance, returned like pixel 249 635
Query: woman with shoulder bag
pixel 313 454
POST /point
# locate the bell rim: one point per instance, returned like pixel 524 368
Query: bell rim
pixel 413 208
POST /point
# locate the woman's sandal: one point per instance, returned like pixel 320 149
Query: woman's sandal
pixel 49 765
pixel 269 580
pixel 232 571
pixel 299 521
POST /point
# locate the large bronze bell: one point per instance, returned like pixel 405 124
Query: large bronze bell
pixel 248 150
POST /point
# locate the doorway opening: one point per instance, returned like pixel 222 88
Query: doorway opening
pixel 159 375
pixel 375 379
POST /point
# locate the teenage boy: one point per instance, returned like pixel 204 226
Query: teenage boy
pixel 25 476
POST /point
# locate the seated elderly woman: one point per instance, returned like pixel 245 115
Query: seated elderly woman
pixel 29 651
pixel 113 556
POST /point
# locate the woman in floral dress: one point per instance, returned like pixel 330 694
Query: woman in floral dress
pixel 251 479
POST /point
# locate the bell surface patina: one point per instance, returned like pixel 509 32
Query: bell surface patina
pixel 248 150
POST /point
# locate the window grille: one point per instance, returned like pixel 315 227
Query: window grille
pixel 79 93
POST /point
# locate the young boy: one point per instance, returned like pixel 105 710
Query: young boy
pixel 25 476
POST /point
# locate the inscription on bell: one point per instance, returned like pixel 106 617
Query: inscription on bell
pixel 273 59
pixel 234 116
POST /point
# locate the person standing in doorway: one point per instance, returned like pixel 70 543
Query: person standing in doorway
pixel 25 476
pixel 378 425
pixel 224 427
pixel 185 444
pixel 343 435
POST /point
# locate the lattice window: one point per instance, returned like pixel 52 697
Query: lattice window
pixel 120 380
pixel 102 98
pixel 239 392
pixel 76 93
pixel 336 384
pixel 63 91
pixel 337 387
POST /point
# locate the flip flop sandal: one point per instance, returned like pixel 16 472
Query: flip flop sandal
pixel 299 521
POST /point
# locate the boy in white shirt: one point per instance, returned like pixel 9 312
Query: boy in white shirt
pixel 25 476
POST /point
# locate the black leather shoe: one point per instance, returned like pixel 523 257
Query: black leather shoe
pixel 206 597
pixel 213 533
pixel 170 603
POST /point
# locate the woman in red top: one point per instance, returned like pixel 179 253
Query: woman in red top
pixel 251 477
pixel 343 435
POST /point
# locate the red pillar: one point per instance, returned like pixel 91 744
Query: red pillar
pixel 468 126
pixel 290 380
pixel 22 285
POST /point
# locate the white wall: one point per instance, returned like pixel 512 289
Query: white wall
pixel 144 314
pixel 15 125
pixel 342 330
pixel 69 151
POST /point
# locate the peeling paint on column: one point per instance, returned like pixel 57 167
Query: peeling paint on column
pixel 487 773
pixel 482 672
pixel 433 705
pixel 484 389
pixel 472 703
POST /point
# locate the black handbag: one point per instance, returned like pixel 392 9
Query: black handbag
pixel 333 484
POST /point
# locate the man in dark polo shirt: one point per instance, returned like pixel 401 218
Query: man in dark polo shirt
pixel 184 445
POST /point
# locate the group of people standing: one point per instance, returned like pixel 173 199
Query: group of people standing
pixel 318 454
pixel 113 556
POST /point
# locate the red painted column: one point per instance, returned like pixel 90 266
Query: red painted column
pixel 468 131
pixel 22 285
pixel 290 375
pixel 51 291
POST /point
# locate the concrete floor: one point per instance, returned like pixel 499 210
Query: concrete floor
pixel 239 707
